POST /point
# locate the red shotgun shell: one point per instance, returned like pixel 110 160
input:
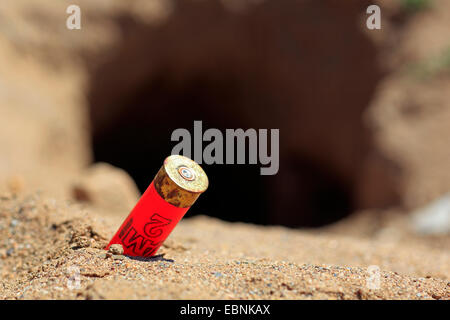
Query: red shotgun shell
pixel 176 187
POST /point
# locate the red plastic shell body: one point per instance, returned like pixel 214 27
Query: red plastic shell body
pixel 147 226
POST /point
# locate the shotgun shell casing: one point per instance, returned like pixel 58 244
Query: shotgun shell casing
pixel 176 187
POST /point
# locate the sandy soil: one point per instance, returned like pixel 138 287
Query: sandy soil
pixel 53 249
pixel 48 246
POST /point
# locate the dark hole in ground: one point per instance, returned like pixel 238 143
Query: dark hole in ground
pixel 301 67
pixel 140 139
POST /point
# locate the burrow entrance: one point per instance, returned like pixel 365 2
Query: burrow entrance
pixel 276 66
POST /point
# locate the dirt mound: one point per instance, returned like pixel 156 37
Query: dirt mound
pixel 53 249
pixel 411 108
pixel 94 94
pixel 74 97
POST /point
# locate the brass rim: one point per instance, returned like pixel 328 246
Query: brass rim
pixel 180 181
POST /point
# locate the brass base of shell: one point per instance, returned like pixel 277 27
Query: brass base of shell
pixel 176 189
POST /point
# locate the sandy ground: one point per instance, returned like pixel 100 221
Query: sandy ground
pixel 53 250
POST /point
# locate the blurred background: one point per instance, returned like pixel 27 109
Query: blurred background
pixel 363 114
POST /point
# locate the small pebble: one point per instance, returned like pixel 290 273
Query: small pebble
pixel 102 255
pixel 116 249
